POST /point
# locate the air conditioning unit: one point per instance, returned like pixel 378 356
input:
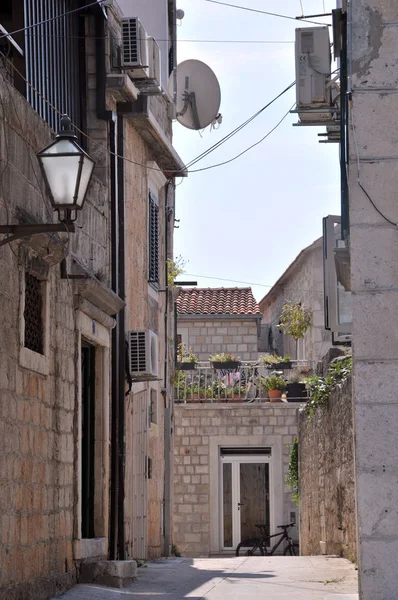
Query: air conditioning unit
pixel 135 48
pixel 152 83
pixel 143 355
pixel 313 71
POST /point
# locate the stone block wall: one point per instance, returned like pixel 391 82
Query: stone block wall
pixel 327 484
pixel 200 431
pixel 212 336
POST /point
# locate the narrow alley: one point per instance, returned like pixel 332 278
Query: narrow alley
pixel 271 578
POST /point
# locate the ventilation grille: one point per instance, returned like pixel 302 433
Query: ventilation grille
pixel 138 354
pixel 131 42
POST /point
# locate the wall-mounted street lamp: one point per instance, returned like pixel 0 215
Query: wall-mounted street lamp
pixel 67 170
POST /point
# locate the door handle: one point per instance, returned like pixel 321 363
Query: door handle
pixel 240 504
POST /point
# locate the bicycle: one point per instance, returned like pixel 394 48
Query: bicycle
pixel 259 546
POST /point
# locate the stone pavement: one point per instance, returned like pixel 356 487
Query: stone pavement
pixel 243 578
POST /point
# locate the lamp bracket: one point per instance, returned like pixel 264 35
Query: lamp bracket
pixel 16 232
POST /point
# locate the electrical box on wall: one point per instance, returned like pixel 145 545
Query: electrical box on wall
pixel 313 71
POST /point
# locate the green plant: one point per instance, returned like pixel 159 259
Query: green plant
pixel 223 357
pixel 175 551
pixel 292 477
pixel 273 382
pixel 321 387
pixel 185 354
pixel 174 269
pixel 274 359
pixel 295 320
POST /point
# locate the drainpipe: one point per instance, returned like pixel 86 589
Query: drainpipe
pixel 167 405
pixel 122 331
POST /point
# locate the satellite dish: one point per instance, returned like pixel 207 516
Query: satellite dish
pixel 198 94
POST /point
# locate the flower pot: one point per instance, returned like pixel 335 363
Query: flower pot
pixel 296 392
pixel 230 365
pixel 274 395
pixel 186 366
pixel 279 366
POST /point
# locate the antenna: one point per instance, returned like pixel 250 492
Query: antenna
pixel 198 96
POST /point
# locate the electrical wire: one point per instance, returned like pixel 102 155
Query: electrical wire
pixel 65 14
pixel 252 283
pixel 232 133
pixel 302 9
pixel 225 162
pixel 177 40
pixel 263 12
pixel 170 171
pixel 354 133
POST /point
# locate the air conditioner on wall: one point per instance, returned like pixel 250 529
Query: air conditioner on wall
pixel 134 48
pixel 313 71
pixel 151 85
pixel 143 355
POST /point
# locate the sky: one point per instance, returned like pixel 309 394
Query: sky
pixel 248 220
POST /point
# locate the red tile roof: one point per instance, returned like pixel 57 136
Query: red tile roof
pixel 217 301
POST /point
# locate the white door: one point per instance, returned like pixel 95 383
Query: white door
pixel 245 497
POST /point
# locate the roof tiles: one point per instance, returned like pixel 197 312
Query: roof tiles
pixel 217 301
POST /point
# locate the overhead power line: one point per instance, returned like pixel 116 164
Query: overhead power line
pixel 65 14
pixel 263 12
pixel 265 285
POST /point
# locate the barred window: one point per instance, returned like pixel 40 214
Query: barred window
pixel 33 314
pixel 153 249
pixel 153 407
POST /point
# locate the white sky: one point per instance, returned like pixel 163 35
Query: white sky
pixel 248 220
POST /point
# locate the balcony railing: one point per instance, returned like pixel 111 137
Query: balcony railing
pixel 203 383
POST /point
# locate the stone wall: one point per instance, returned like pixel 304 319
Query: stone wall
pixel 303 283
pixel 210 336
pixel 200 431
pixel 327 486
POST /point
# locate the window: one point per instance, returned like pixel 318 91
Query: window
pixel 153 407
pixel 33 314
pixel 153 250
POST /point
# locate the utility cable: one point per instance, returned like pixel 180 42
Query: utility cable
pixel 302 9
pixel 177 40
pixel 225 162
pixel 244 124
pixel 171 171
pixel 65 14
pixel 263 12
pixel 252 283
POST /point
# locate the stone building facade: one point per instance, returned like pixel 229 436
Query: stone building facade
pixel 62 437
pixel 215 320
pixel 301 282
pixel 212 439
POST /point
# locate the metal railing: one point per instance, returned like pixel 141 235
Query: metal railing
pixel 203 383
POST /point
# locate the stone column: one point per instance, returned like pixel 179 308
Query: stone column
pixel 374 270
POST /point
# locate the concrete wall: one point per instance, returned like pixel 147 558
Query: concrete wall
pixel 374 259
pixel 214 335
pixel 200 431
pixel 303 284
pixel 327 483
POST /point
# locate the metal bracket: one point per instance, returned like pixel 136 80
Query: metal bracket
pixel 16 232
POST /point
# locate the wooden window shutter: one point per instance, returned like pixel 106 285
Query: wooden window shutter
pixel 153 240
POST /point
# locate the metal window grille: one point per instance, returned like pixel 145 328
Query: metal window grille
pixel 153 407
pixel 33 314
pixel 52 59
pixel 153 240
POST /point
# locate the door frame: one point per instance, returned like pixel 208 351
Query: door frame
pixel 236 461
pixel 277 499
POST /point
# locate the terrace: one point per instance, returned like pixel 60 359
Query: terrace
pixel 241 383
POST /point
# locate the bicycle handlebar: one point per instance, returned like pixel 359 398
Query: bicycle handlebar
pixel 286 526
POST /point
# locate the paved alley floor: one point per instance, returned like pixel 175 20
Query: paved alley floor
pixel 259 578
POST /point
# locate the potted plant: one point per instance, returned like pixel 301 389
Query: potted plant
pixel 238 393
pixel 186 359
pixel 217 390
pixel 273 361
pixel 275 386
pixel 225 361
pixel 296 387
pixel 295 320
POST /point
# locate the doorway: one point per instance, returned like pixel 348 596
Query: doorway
pixel 245 494
pixel 88 439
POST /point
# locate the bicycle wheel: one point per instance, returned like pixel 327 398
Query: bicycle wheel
pixel 292 549
pixel 251 547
